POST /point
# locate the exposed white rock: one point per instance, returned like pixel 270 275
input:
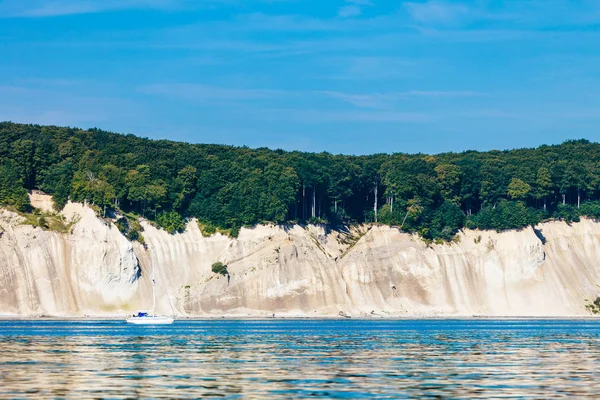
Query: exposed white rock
pixel 91 270
pixel 41 201
pixel 295 271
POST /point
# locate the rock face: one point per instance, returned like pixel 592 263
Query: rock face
pixel 296 271
pixel 91 270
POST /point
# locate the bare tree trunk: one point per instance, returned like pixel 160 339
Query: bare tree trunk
pixel 319 206
pixel 564 200
pixel 335 206
pixel 544 204
pixel 404 220
pixel 392 203
pixel 303 201
pixel 578 197
pixel 375 204
pixel 314 201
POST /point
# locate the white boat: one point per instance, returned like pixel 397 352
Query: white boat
pixel 150 317
pixel 142 318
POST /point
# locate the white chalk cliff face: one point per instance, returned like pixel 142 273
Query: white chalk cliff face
pixel 92 270
pixel 378 271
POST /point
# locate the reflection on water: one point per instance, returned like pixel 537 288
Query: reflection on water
pixel 301 358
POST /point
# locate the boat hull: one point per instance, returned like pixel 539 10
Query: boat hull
pixel 150 320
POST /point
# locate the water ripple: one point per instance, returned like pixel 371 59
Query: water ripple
pixel 301 358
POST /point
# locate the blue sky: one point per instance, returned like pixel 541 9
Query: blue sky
pixel 354 76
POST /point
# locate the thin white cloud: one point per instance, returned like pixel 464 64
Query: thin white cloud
pixel 211 94
pixel 441 93
pixel 350 11
pixel 217 95
pixel 261 22
pixel 54 8
pixel 437 12
pixel 374 100
pixel 387 100
pixel 61 102
pixel 273 22
pixel 371 68
pixel 313 116
pixel 524 14
pixel 353 9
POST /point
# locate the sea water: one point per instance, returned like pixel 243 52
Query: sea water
pixel 301 359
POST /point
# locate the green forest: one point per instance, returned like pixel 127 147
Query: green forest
pixel 228 187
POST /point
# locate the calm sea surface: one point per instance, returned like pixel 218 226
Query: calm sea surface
pixel 301 358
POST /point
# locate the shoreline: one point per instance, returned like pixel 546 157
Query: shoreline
pixel 319 318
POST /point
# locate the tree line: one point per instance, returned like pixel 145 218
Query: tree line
pixel 228 187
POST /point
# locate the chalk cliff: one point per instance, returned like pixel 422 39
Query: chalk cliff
pixel 296 271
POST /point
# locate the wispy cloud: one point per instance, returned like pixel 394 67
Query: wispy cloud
pixel 316 116
pixel 275 22
pixel 371 68
pixel 375 116
pixel 437 12
pixel 301 23
pixel 387 100
pixel 350 11
pixel 443 94
pixel 258 103
pixel 374 100
pixel 61 102
pixel 528 14
pixel 354 8
pixel 53 8
pixel 218 95
pixel 208 93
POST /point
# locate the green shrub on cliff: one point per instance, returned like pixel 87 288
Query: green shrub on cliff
pixel 131 228
pixel 48 221
pixel 219 268
pixel 171 222
pixel 594 307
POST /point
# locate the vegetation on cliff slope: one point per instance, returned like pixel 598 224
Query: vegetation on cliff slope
pixel 220 268
pixel 594 306
pixel 227 187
